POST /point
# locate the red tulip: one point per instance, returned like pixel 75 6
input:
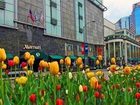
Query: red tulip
pixel 32 98
pixel 137 95
pixel 58 87
pixel 97 94
pixel 99 87
pixel 23 64
pixel 59 102
pixel 138 85
pixel 11 63
pixel 85 88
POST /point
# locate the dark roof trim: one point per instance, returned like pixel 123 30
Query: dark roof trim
pixel 99 5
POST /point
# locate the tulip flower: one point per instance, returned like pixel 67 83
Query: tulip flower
pixel 58 87
pixel 4 66
pixel 32 98
pixel 29 72
pixel 42 92
pixel 23 64
pixel 80 88
pixel 99 73
pixel 68 61
pixel 94 82
pixel 90 74
pixel 97 94
pixel 22 80
pixel 2 55
pixel 97 62
pixel 137 95
pixel 16 60
pixel 41 63
pixel 99 87
pixel 113 60
pixel 59 102
pixel 11 63
pixel 138 85
pixel 79 61
pixel 112 68
pixel 70 75
pixel 54 68
pixel 78 97
pixel 127 70
pixel 100 58
pixel 26 55
pixel 85 88
pixel 61 61
pixel 67 91
pixel 30 62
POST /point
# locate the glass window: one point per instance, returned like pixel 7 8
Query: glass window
pixel 9 20
pixel 7 14
pixel 1 17
pixel 9 7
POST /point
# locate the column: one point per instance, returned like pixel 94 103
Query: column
pixel 114 49
pixel 105 54
pixel 125 51
pixel 120 53
pixel 109 50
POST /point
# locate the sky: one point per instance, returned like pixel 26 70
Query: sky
pixel 118 9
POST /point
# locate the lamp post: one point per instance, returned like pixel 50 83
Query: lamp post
pixel 85 40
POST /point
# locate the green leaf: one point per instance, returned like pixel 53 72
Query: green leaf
pixel 6 100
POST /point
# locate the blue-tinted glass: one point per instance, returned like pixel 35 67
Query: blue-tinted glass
pixel 10 7
pixel 137 20
pixel 9 1
pixel 1 17
pixel 54 13
pixel 9 17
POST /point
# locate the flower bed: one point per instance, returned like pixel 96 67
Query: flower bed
pixel 85 87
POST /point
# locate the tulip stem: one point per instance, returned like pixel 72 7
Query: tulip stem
pixel 1 82
pixel 54 84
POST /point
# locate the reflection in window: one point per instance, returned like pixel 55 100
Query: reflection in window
pixel 7 13
pixel 80 14
pixel 53 11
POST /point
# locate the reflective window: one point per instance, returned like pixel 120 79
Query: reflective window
pixel 7 13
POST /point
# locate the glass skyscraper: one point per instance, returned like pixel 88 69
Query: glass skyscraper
pixel 135 19
pixel 124 22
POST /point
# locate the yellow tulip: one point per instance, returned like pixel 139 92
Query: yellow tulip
pixel 79 61
pixel 26 55
pixel 113 60
pixel 32 57
pixel 97 62
pixel 87 70
pixel 100 58
pixel 68 61
pixel 41 63
pixel 46 65
pixel 61 61
pixel 30 62
pixel 127 70
pixel 54 68
pixel 90 74
pixel 99 73
pixel 80 88
pixel 29 72
pixel 16 60
pixel 4 66
pixel 22 80
pixel 81 66
pixel 2 55
pixel 17 79
pixel 93 82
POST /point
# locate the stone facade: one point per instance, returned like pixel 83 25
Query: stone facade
pixel 14 39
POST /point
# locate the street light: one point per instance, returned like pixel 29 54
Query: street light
pixel 85 40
